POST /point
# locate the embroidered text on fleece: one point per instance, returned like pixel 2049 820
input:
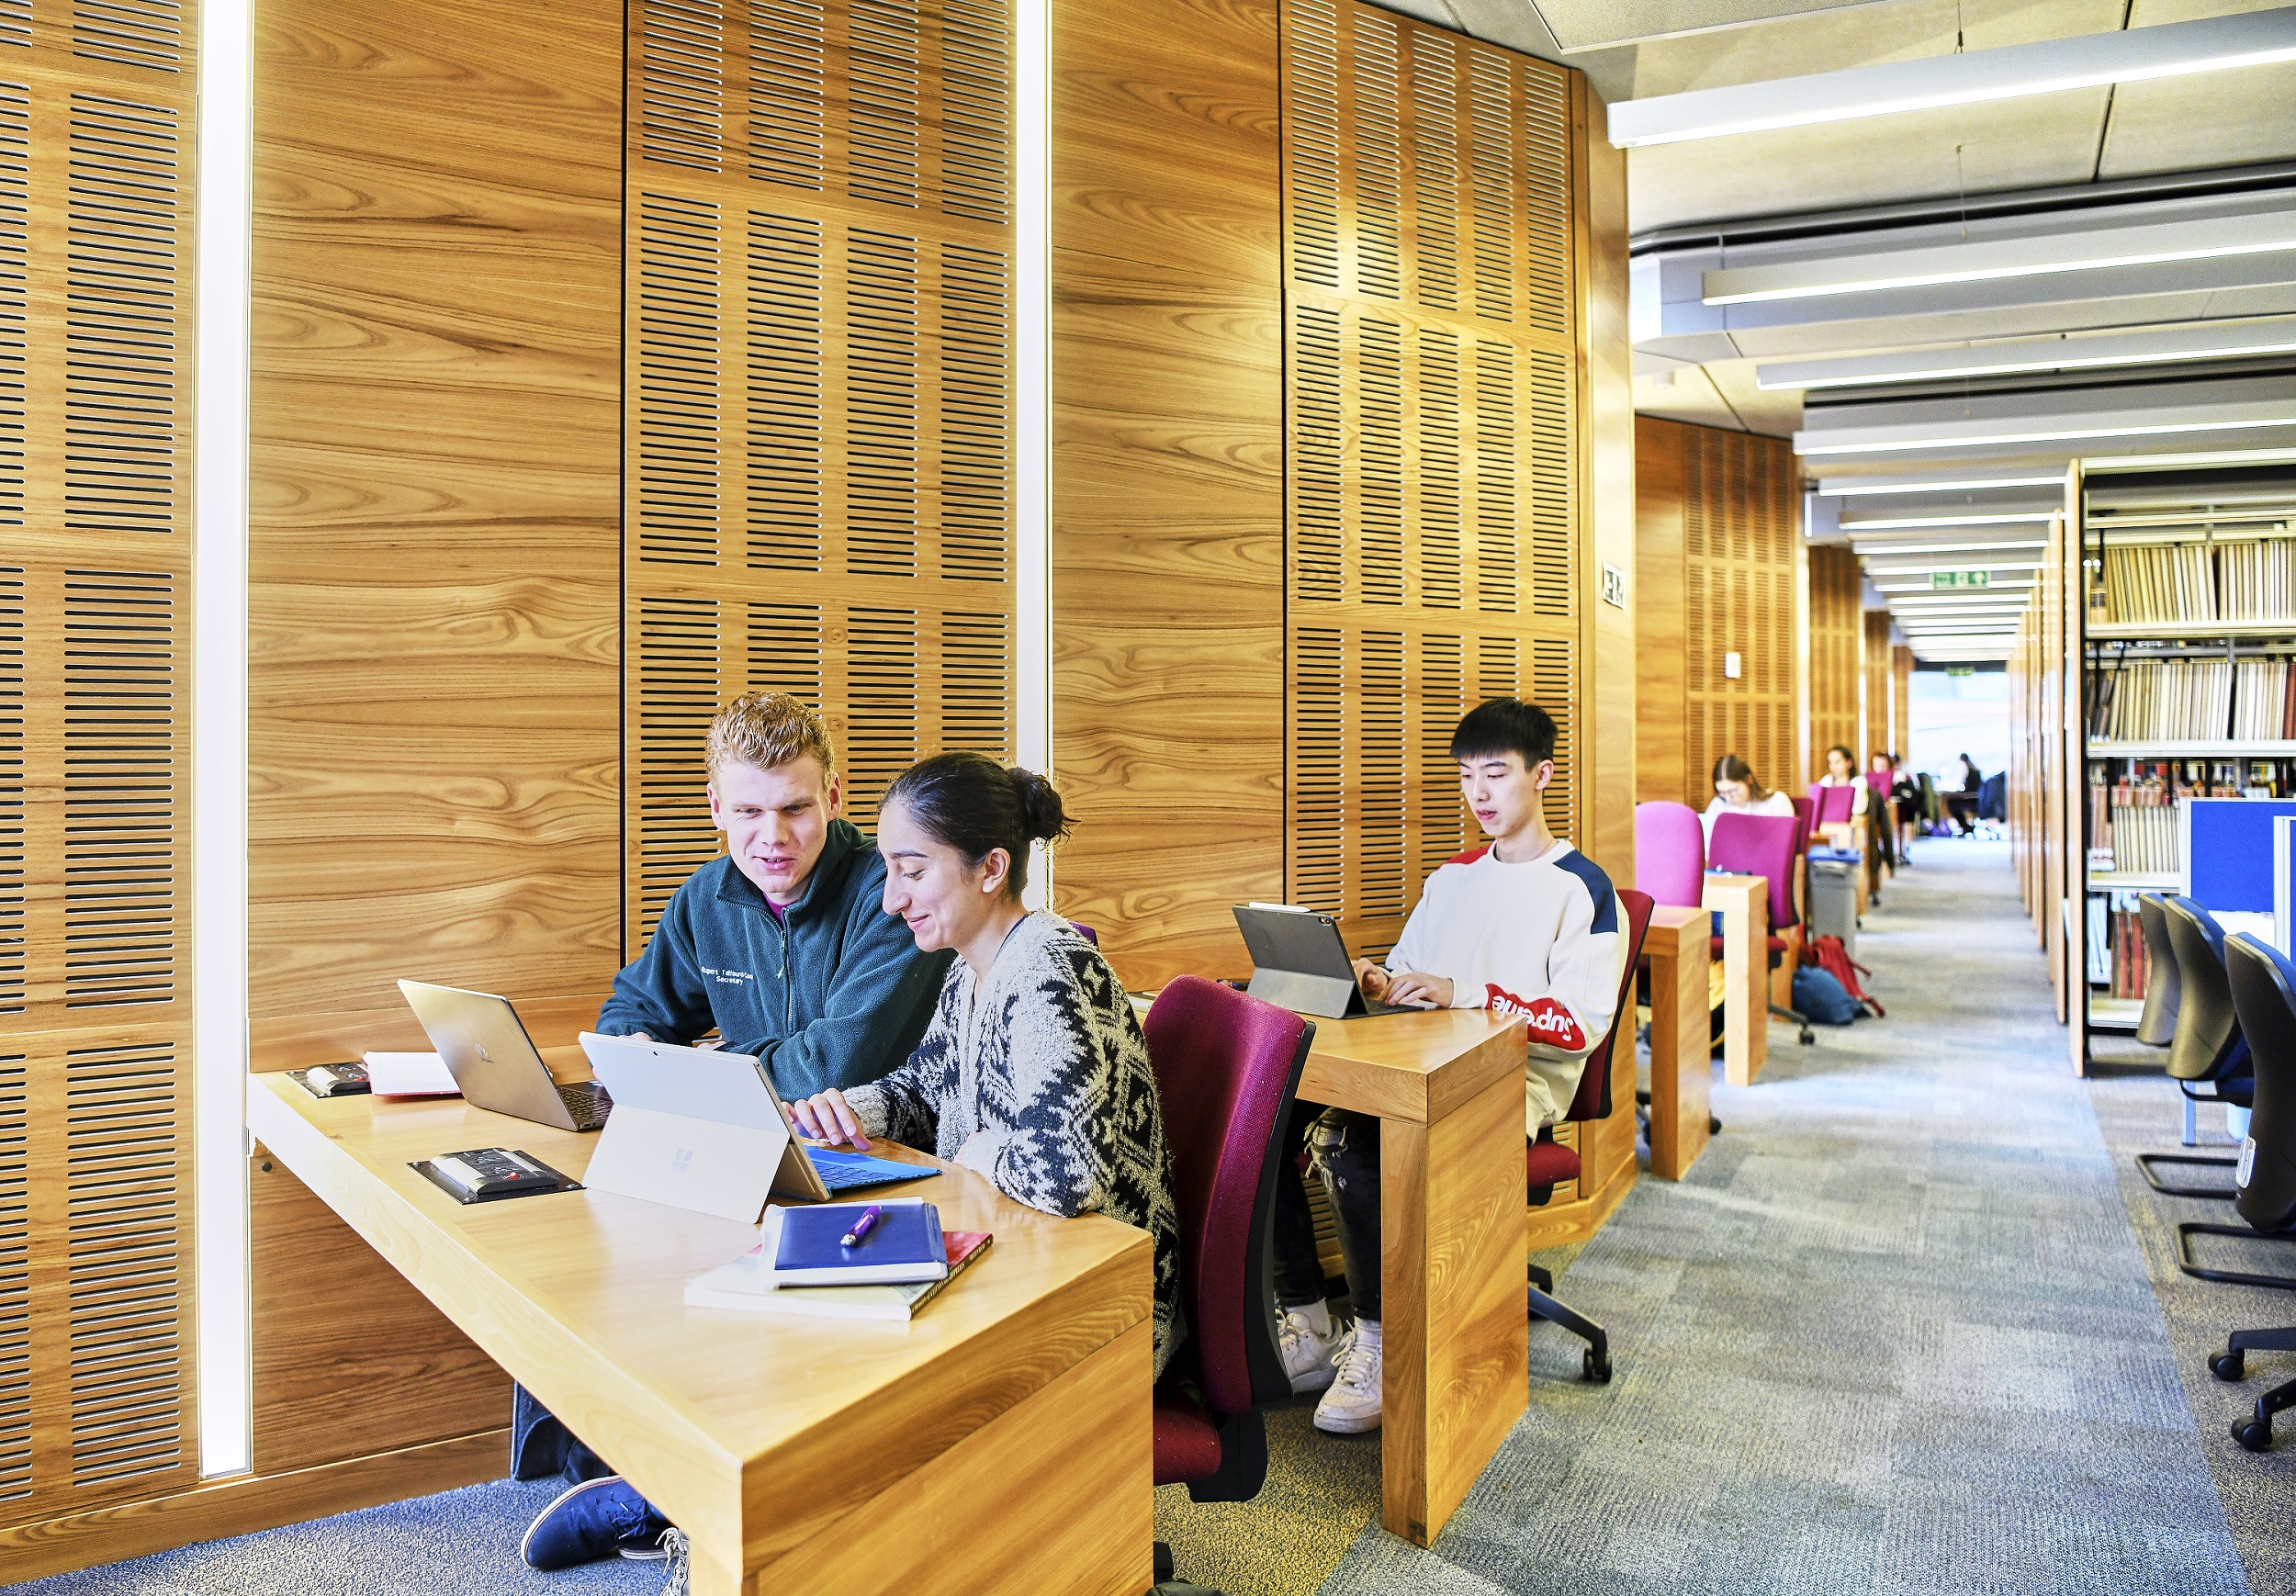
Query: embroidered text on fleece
pixel 1047 1065
pixel 832 993
pixel 1538 939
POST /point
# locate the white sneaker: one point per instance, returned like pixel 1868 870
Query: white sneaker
pixel 1309 1338
pixel 1352 1405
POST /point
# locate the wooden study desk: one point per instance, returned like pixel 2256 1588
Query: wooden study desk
pixel 1447 1087
pixel 1679 947
pixel 1743 902
pixel 1001 1439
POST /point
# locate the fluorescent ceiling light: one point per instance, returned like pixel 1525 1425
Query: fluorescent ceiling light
pixel 1863 487
pixel 1911 523
pixel 2206 458
pixel 1969 598
pixel 1918 437
pixel 1989 260
pixel 1925 588
pixel 2086 60
pixel 1972 566
pixel 2206 341
pixel 1890 550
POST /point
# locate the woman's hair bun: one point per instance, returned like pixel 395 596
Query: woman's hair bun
pixel 1042 814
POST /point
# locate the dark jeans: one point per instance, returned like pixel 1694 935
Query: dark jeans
pixel 541 1445
pixel 1344 1146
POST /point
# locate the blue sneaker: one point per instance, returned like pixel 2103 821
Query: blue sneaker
pixel 590 1520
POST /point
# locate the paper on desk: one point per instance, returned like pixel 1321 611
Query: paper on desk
pixel 410 1075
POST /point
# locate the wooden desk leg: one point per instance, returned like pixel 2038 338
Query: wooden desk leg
pixel 1681 1069
pixel 1455 1336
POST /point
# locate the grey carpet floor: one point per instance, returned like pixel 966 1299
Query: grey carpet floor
pixel 1895 1334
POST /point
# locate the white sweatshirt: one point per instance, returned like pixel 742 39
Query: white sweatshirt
pixel 1537 939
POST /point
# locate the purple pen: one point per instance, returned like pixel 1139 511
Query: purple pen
pixel 852 1238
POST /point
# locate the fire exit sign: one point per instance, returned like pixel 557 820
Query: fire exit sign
pixel 1960 580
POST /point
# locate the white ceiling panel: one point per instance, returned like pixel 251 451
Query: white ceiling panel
pixel 2227 118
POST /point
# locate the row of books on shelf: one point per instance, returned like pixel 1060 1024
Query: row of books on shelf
pixel 2137 840
pixel 2122 964
pixel 2149 700
pixel 2254 579
pixel 2158 783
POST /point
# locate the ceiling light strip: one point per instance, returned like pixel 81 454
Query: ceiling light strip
pixel 2206 341
pixel 2010 72
pixel 1866 488
pixel 1924 437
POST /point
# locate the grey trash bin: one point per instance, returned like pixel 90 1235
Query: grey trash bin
pixel 1833 901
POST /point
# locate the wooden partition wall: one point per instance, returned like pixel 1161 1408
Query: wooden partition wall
pixel 1877 730
pixel 1901 700
pixel 97 114
pixel 1837 650
pixel 1717 556
pixel 818 394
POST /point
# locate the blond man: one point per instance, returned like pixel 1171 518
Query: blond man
pixel 781 944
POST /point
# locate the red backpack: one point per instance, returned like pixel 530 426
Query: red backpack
pixel 1830 955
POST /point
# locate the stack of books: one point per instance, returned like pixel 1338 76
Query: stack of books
pixel 2154 700
pixel 809 1262
pixel 2132 963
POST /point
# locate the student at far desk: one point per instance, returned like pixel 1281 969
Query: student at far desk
pixel 1526 926
pixel 1737 790
pixel 1034 1072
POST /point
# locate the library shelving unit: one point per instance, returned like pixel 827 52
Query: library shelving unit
pixel 2186 624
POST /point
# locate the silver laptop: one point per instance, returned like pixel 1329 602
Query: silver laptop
pixel 496 1064
pixel 1299 962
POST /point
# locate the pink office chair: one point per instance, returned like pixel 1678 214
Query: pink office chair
pixel 1769 845
pixel 1670 854
pixel 1831 806
pixel 1227 1066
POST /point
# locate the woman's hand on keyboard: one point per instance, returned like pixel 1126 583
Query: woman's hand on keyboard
pixel 830 1119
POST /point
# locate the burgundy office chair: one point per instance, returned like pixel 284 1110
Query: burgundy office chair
pixel 1227 1066
pixel 1547 1162
pixel 1670 854
pixel 1769 845
pixel 1831 806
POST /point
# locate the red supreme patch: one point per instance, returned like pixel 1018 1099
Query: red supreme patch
pixel 1549 1022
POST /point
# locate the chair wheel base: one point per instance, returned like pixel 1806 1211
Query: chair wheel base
pixel 2229 1365
pixel 1808 1038
pixel 1595 1367
pixel 2254 1434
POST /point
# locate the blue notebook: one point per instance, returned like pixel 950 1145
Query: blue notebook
pixel 904 1245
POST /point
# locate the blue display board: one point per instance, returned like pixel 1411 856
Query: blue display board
pixel 2230 863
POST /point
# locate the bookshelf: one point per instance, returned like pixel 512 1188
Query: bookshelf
pixel 2187 621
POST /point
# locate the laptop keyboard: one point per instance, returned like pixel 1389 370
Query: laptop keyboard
pixel 587 1102
pixel 843 1172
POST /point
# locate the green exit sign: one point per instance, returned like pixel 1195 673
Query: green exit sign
pixel 1960 580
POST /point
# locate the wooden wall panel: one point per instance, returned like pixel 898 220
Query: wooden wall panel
pixel 1665 770
pixel 97 1296
pixel 1874 692
pixel 1435 545
pixel 349 1359
pixel 1616 640
pixel 818 394
pixel 1901 700
pixel 434 536
pixel 1837 643
pixel 1722 520
pixel 1167 476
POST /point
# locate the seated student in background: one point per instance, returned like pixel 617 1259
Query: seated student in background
pixel 1907 791
pixel 782 946
pixel 1879 779
pixel 1841 771
pixel 1033 1072
pixel 1528 926
pixel 1737 790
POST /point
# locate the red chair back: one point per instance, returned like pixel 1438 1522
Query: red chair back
pixel 1227 1066
pixel 1833 805
pixel 1591 1100
pixel 1763 845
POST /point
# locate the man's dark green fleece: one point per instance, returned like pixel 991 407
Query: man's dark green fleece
pixel 833 994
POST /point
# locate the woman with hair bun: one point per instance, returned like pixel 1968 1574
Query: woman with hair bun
pixel 1033 1072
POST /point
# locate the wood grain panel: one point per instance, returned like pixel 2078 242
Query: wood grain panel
pixel 433 540
pixel 1837 647
pixel 1900 700
pixel 1664 768
pixel 1611 781
pixel 348 1358
pixel 1167 476
pixel 1874 688
pixel 1679 946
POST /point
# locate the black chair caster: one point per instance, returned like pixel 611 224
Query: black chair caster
pixel 1595 1367
pixel 2254 1434
pixel 2229 1365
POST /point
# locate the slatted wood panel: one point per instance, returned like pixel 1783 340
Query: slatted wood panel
pixel 1837 651
pixel 1432 439
pixel 1874 699
pixel 96 153
pixel 1740 524
pixel 1901 700
pixel 817 393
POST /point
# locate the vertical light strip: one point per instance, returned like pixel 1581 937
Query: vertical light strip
pixel 1032 382
pixel 219 737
